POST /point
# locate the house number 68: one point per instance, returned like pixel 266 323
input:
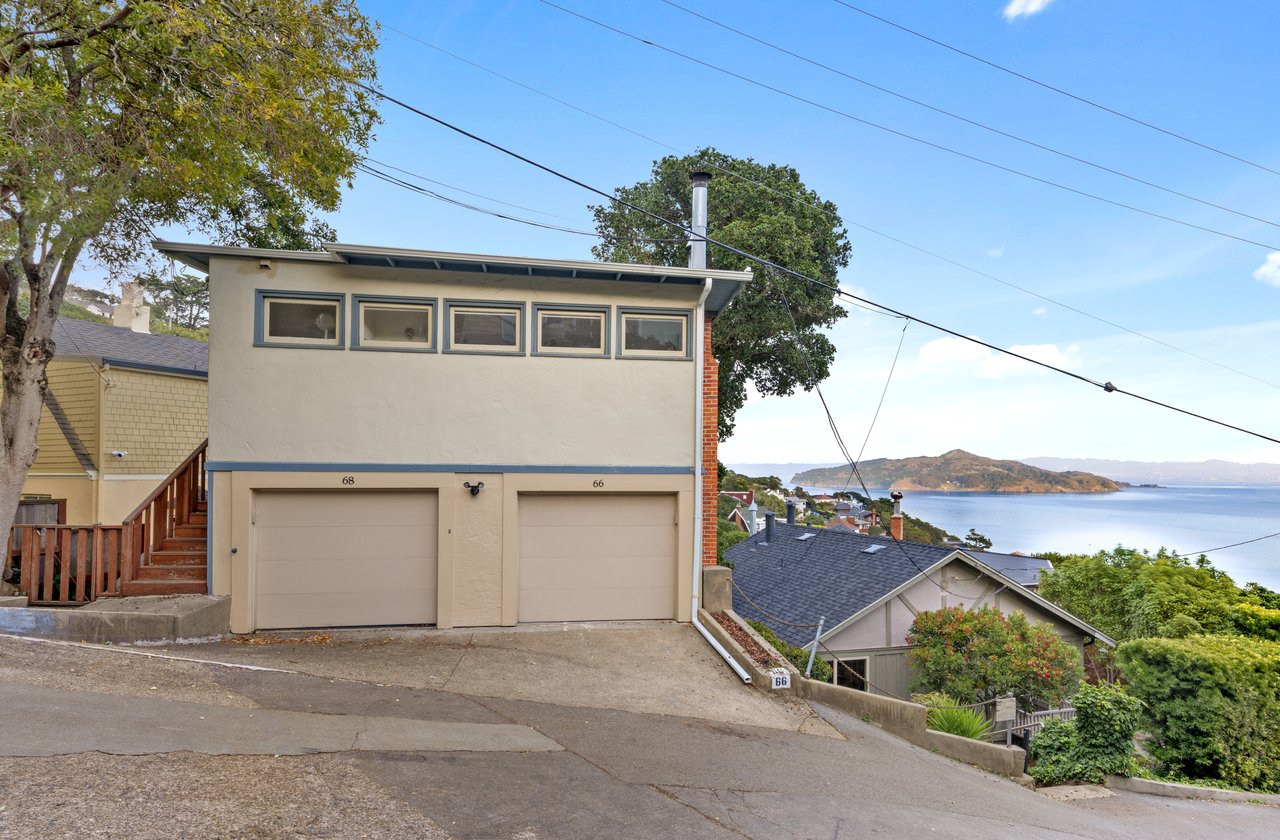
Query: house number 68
pixel 348 479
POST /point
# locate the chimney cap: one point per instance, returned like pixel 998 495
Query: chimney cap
pixel 699 176
pixel 896 496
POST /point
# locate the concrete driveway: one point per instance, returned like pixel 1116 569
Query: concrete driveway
pixel 625 731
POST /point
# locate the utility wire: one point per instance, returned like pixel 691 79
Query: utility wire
pixel 1107 386
pixel 1232 545
pixel 895 132
pixel 860 226
pixel 1091 103
pixel 976 123
pixel 424 178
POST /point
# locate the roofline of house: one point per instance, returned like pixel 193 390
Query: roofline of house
pixel 987 570
pixel 725 284
pixel 153 368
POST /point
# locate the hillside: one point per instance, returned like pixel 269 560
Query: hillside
pixel 959 471
pixel 1167 472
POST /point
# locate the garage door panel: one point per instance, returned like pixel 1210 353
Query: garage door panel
pixel 345 609
pixel 335 542
pixel 377 508
pixel 602 509
pixel 589 542
pixel 340 558
pixel 597 557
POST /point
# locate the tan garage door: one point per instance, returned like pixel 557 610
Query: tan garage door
pixel 597 557
pixel 354 558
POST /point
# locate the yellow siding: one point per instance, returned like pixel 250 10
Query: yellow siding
pixel 75 385
pixel 157 418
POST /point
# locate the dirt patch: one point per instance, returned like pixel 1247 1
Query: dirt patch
pixel 184 795
pixel 762 656
pixel 313 639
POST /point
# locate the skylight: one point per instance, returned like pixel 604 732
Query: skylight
pixel 804 537
pixel 872 549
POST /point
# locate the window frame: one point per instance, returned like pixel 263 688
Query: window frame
pixel 357 323
pixel 655 355
pixel 606 335
pixel 262 304
pixel 516 307
pixel 849 661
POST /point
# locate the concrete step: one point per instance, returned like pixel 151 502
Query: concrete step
pixel 184 557
pixel 172 572
pixel 183 544
pixel 165 587
pixel 201 531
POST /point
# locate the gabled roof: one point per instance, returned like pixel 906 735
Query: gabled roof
pixel 122 347
pixel 828 574
pixel 724 284
pixel 1025 570
pixel 807 573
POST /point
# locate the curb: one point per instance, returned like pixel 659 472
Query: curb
pixel 1152 787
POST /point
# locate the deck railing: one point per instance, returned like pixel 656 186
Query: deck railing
pixel 67 564
pixel 159 515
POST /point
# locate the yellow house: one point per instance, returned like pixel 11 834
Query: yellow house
pixel 417 437
pixel 123 409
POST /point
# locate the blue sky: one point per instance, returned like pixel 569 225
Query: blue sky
pixel 1205 70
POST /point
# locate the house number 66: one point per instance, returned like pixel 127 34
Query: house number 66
pixel 599 482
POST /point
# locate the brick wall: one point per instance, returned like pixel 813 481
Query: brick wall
pixel 158 419
pixel 710 446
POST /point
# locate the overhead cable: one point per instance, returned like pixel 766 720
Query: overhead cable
pixel 976 123
pixel 1107 386
pixel 906 136
pixel 1091 103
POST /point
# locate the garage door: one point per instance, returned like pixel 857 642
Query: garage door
pixel 597 557
pixel 354 558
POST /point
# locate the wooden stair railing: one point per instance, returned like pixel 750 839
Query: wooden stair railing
pixel 66 565
pixel 180 501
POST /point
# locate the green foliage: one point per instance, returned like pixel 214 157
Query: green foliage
pixel 956 720
pixel 913 529
pixel 1052 749
pixel 933 699
pixel 725 506
pixel 180 299
pixel 978 541
pixel 1212 704
pixel 1131 594
pixel 727 536
pixel 773 334
pixel 1253 620
pixel 799 656
pixel 1179 627
pixel 980 654
pixel 1099 742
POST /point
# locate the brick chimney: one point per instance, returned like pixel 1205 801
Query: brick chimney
pixel 895 521
pixel 710 384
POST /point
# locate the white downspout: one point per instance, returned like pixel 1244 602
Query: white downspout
pixel 697 494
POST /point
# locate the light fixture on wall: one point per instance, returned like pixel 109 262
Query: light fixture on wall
pixel 474 488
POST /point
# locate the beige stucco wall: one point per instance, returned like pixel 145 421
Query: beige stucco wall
pixel 478 563
pixel 76 489
pixel 304 405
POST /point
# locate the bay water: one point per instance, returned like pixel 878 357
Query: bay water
pixel 1184 519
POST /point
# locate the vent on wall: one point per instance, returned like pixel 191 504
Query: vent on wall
pixel 872 549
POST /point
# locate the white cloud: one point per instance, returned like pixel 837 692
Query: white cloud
pixel 1269 272
pixel 943 354
pixel 1040 311
pixel 996 252
pixel 1024 8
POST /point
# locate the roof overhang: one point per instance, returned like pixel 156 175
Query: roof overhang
pixel 724 284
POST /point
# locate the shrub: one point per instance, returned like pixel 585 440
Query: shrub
pixel 1258 621
pixel 799 656
pixel 1098 742
pixel 934 699
pixel 976 655
pixel 727 536
pixel 957 720
pixel 1212 705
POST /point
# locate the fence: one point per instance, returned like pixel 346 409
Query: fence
pixel 67 564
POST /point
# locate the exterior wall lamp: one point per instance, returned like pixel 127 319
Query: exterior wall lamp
pixel 474 488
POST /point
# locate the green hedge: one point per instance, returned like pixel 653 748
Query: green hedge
pixel 1258 621
pixel 799 656
pixel 1097 742
pixel 1212 704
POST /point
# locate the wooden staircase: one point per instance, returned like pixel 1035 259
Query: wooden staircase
pixel 178 564
pixel 166 539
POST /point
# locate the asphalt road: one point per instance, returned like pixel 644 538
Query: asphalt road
pixel 276 755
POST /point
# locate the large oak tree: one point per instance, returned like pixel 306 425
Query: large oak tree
pixel 771 335
pixel 121 117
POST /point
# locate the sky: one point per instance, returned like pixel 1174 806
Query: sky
pixel 1205 71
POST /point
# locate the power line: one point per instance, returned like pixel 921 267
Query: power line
pixel 906 136
pixel 859 225
pixel 1091 103
pixel 1232 545
pixel 424 178
pixel 1107 386
pixel 976 123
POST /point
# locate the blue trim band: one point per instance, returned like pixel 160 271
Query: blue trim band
pixel 125 364
pixel 287 466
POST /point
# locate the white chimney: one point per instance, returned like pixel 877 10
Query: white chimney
pixel 132 311
pixel 698 244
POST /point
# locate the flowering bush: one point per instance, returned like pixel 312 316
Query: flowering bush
pixel 976 655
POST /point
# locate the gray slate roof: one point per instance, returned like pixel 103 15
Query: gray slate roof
pixel 828 574
pixel 125 348
pixel 1022 570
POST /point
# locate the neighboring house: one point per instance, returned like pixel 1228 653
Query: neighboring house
pixel 123 409
pixel 416 437
pixel 102 310
pixel 746 498
pixel 869 590
pixel 1019 567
